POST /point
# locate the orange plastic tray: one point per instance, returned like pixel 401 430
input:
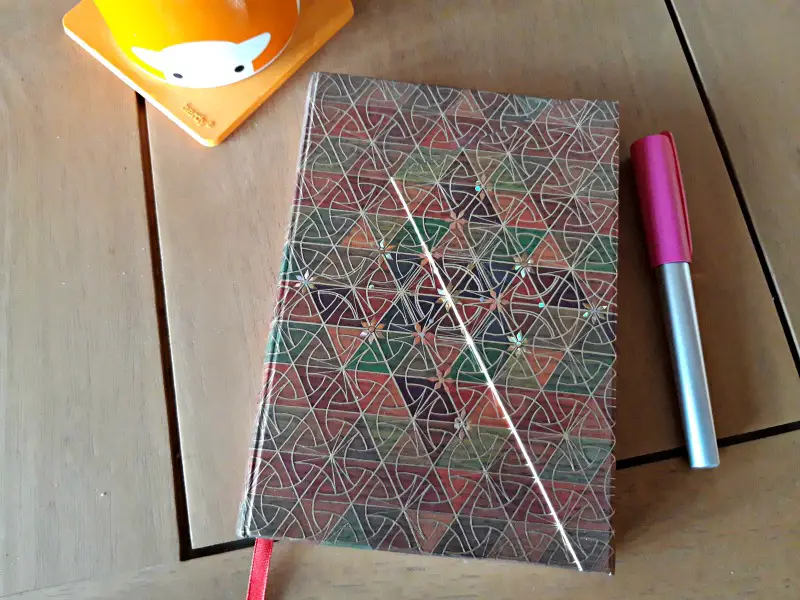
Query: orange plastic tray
pixel 210 115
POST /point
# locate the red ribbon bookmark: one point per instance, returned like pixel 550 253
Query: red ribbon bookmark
pixel 259 570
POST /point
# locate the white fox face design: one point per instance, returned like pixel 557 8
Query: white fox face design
pixel 205 64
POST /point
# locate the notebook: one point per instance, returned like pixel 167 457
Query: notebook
pixel 439 375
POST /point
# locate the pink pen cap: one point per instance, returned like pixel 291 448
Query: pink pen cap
pixel 662 199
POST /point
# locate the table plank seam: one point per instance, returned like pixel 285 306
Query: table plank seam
pixel 185 549
pixel 769 274
pixel 171 406
pixel 221 548
pixel 724 442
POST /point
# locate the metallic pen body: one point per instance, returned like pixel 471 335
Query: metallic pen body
pixel 677 297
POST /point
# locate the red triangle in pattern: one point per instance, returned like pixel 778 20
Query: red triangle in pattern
pixel 377 394
pixel 543 363
pixel 485 501
pixel 445 351
pixel 274 474
pixel 452 243
pixel 516 209
pixel 296 304
pixel 458 485
pixel 360 236
pixel 548 254
pixel 282 385
pixel 428 527
pixel 346 341
pixel 465 106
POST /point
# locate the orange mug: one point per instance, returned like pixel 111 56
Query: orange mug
pixel 201 43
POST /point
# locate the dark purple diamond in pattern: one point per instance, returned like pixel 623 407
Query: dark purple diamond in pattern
pixel 338 306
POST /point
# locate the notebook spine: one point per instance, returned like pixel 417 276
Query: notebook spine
pixel 268 380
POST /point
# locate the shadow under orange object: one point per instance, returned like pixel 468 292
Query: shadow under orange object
pixel 209 115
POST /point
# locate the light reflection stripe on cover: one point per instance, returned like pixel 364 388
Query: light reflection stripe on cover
pixel 476 355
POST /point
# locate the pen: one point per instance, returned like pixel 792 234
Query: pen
pixel 662 200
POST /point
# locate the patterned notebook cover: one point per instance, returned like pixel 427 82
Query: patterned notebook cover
pixel 440 372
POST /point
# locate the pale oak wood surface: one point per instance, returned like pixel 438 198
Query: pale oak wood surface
pixel 85 476
pixel 747 54
pixel 702 535
pixel 223 213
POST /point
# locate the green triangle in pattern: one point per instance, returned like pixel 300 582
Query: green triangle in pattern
pixel 519 173
pixel 506 177
pixel 425 165
pixel 529 108
pixel 600 254
pixel 579 374
pixel 290 268
pixel 476 451
pixel 488 442
pixel 281 424
pixel 356 443
pixel 461 455
pixel 410 448
pixel 555 555
pixel 432 231
pixel 593 547
pixel 603 182
pixel 348 532
pixel 595 336
pixel 386 228
pixel 392 348
pixel 606 387
pixel 336 155
pixel 577 460
pixel 462 171
pixel 308 346
pixel 554 328
pixel 387 433
pixel 271 514
pixel 294 427
pixel 495 242
pixel 385 354
pixel 368 358
pixel 417 362
pixel 467 369
pixel 464 106
pixel 517 372
pixel 289 340
pixel 527 240
pixel 323 226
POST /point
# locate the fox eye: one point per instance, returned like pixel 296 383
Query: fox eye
pixel 177 76
pixel 239 69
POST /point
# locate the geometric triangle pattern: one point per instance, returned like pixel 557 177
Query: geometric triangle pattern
pixel 439 376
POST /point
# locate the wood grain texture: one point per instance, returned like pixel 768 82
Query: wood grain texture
pixel 684 534
pixel 223 214
pixel 85 477
pixel 747 54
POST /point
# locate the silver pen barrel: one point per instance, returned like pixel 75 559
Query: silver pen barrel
pixel 683 331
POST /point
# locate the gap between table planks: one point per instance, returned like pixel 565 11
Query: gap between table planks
pixel 683 534
pixel 746 55
pixel 85 465
pixel 222 217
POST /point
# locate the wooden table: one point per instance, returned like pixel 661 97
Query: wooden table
pixel 137 274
